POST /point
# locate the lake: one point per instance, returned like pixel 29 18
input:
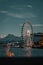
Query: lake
pixel 21 52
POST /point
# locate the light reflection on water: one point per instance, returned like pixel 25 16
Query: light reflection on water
pixel 28 51
pixel 22 52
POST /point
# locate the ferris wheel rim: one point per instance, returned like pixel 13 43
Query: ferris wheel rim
pixel 23 27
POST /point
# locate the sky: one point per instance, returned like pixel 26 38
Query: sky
pixel 13 13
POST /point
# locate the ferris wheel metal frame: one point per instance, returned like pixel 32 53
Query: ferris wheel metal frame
pixel 27 22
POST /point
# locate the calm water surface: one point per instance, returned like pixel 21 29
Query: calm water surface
pixel 21 52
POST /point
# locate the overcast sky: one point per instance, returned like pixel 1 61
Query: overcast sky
pixel 13 13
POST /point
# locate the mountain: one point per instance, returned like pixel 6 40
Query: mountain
pixel 13 38
pixel 10 38
pixel 36 38
pixel 39 34
pixel 2 36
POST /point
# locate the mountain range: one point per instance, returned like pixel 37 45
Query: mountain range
pixel 13 38
pixel 10 38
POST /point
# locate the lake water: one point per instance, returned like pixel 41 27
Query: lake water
pixel 21 52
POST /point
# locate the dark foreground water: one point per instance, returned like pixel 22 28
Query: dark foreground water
pixel 22 52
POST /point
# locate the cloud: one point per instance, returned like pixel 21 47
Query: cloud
pixel 4 11
pixel 29 15
pixel 12 14
pixel 23 16
pixel 19 7
pixel 37 25
pixel 30 6
pixel 15 15
pixel 32 15
pixel 34 25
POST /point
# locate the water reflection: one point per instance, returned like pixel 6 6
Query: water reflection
pixel 28 51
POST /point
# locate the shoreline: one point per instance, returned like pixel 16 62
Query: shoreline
pixel 23 47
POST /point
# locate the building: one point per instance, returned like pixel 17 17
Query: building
pixel 41 41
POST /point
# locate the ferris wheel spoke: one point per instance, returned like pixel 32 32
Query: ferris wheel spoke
pixel 27 33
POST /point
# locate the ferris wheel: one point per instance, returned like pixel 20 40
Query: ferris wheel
pixel 27 32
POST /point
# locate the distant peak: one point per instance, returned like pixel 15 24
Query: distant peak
pixel 2 35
